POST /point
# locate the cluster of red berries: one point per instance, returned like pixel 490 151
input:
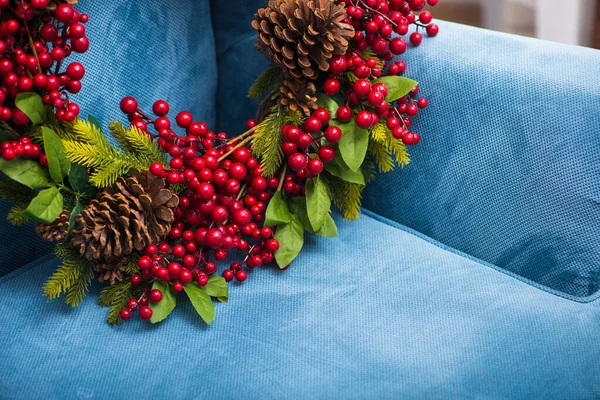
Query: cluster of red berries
pixel 23 148
pixel 375 22
pixel 34 42
pixel 220 211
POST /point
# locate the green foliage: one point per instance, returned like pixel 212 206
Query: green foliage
pixel 265 81
pixel 346 196
pixel 46 206
pixel 27 172
pixel 72 277
pixel 345 174
pixel 277 211
pixel 162 309
pixel 117 295
pixel 318 203
pixel 327 103
pixel 379 132
pixel 291 240
pixel 381 155
pixel 32 105
pixel 217 287
pixel 398 86
pixel 15 192
pixel 201 302
pixel 386 150
pixel 398 150
pixel 353 144
pixel 369 53
pixel 88 146
pixel 16 217
pixel 58 164
pixel 267 140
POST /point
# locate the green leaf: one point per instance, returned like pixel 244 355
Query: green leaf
pixel 353 144
pixel 32 105
pixel 92 120
pixel 46 206
pixel 328 229
pixel 163 308
pixel 277 211
pixel 327 103
pixel 76 210
pixel 27 172
pixel 58 164
pixel 291 240
pixel 398 86
pixel 318 202
pixel 201 302
pixel 298 208
pixel 345 174
pixel 217 287
pixel 79 180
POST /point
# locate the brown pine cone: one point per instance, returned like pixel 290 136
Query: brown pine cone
pixel 300 36
pixel 54 231
pixel 111 273
pixel 138 211
pixel 299 95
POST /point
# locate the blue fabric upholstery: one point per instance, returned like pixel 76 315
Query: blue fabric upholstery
pixel 508 168
pixel 376 313
pixel 142 49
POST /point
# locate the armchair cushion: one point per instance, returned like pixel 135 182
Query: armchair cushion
pixel 379 312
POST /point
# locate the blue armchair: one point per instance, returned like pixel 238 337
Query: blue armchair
pixel 473 273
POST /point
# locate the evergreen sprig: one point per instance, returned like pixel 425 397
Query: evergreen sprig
pixel 16 217
pixel 346 196
pixel 267 140
pixel 88 146
pixel 265 81
pixel 72 277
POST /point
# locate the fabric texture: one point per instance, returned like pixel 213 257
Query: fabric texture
pixel 373 314
pixel 507 170
pixel 148 50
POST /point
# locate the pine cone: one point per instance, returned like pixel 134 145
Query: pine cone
pixel 110 273
pixel 300 36
pixel 138 211
pixel 299 95
pixel 54 231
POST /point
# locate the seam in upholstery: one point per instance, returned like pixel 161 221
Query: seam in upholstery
pixel 442 246
pixel 21 270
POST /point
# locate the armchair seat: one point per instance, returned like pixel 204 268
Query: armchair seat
pixel 379 312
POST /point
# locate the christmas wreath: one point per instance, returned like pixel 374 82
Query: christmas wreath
pixel 152 208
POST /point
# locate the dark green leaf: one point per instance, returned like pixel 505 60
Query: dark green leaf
pixel 327 103
pixel 277 211
pixel 92 120
pixel 291 240
pixel 79 180
pixel 398 86
pixel 318 203
pixel 328 229
pixel 217 287
pixel 163 308
pixel 32 105
pixel 298 207
pixel 345 174
pixel 27 172
pixel 58 164
pixel 46 206
pixel 201 302
pixel 353 145
pixel 76 210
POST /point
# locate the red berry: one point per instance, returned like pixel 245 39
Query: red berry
pixel 63 13
pixel 362 87
pixel 125 314
pixel 228 275
pixel 333 134
pixel 313 124
pixel 416 38
pixel 398 46
pixel 160 108
pixel 156 169
pixel 80 45
pixel 411 139
pixel 185 276
pixel 364 119
pixel 297 161
pixel 75 71
pixel 337 65
pixel 184 119
pixel 331 87
pixel 272 245
pixel 241 275
pixel 155 295
pixel 177 287
pixel 129 105
pixel 214 238
pixel 326 153
pixel 202 279
pixel 315 166
pixel 432 30
pixel 422 102
pixel 425 17
pixel 344 113
pixel 145 313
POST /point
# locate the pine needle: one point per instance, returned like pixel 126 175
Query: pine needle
pixel 76 293
pixel 399 151
pixel 264 82
pixel 16 217
pixel 267 141
pixel 381 155
pixel 66 275
pixel 379 132
pixel 345 196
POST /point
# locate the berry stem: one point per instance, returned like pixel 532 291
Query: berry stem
pixel 10 130
pixel 31 40
pixel 240 144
